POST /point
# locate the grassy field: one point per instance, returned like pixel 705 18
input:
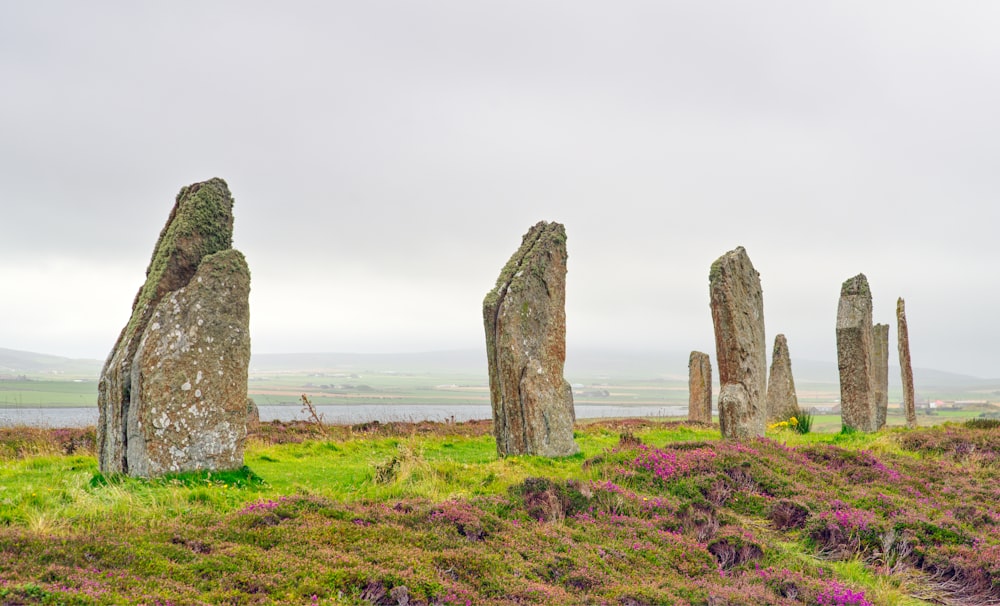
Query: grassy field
pixel 895 419
pixel 647 513
pixel 48 392
pixel 368 388
pixel 439 387
pixel 394 388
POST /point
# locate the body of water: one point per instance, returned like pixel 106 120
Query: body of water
pixel 340 414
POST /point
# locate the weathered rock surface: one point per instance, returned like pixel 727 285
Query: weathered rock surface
pixel 738 316
pixel 525 321
pixel 736 414
pixel 700 387
pixel 253 416
pixel 880 366
pixel 189 323
pixel 189 378
pixel 782 402
pixel 905 368
pixel 855 355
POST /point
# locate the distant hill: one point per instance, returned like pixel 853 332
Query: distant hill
pixel 472 361
pixel 587 363
pixel 814 371
pixel 13 362
pixel 580 364
pixel 459 361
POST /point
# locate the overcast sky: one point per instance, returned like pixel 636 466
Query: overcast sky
pixel 386 158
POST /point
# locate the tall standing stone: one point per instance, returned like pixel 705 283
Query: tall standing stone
pixel 905 369
pixel 855 355
pixel 782 402
pixel 700 387
pixel 880 366
pixel 738 316
pixel 525 321
pixel 172 394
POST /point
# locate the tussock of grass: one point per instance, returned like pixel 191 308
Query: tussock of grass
pixel 647 513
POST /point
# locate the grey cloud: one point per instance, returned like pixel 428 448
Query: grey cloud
pixel 389 155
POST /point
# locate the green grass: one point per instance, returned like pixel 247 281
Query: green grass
pixel 430 467
pixel 431 508
pixel 31 393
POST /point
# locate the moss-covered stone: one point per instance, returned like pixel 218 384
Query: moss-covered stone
pixel 200 224
pixel 905 367
pixel 858 285
pixel 782 401
pixel 855 356
pixel 188 409
pixel 737 303
pixel 699 387
pixel 525 320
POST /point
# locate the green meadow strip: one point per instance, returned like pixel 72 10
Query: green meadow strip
pixel 647 513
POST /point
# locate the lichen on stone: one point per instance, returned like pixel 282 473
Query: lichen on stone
pixel 524 319
pixel 855 355
pixel 737 305
pixel 858 285
pixel 201 223
pixel 197 237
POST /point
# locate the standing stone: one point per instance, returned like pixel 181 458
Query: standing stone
pixel 855 355
pixel 525 320
pixel 700 387
pixel 738 317
pixel 905 369
pixel 172 394
pixel 253 416
pixel 189 377
pixel 782 402
pixel 880 366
